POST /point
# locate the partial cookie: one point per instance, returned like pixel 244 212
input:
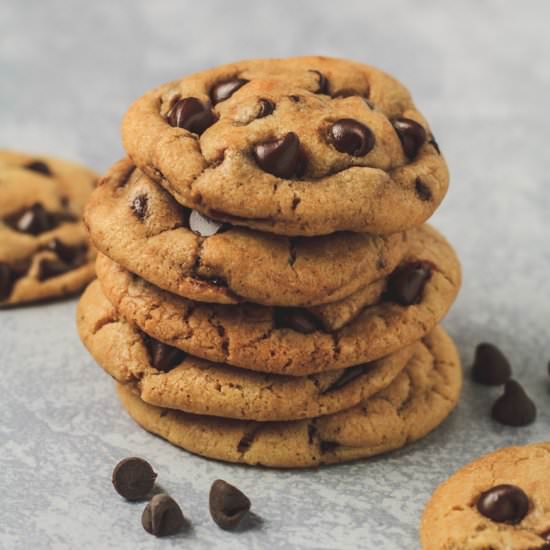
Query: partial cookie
pixel 298 146
pixel 415 403
pixel 289 340
pixel 501 500
pixel 166 377
pixel 44 251
pixel 183 252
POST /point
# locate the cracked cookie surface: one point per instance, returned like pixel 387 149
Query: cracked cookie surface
pixel 452 520
pixel 169 378
pixel 44 251
pixel 161 244
pixel 299 146
pixel 415 403
pixel 287 340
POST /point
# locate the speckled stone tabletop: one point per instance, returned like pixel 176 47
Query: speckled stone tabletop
pixel 480 72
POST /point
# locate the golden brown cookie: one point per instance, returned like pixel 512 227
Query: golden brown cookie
pixel 44 251
pixel 415 403
pixel 299 146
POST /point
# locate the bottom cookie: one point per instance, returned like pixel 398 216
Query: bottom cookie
pixel 414 404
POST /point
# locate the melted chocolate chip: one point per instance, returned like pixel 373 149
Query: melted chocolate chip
pixel 224 90
pixel 163 357
pixel 246 440
pixel 162 516
pixel 48 269
pixel 191 114
pixel 63 251
pixel 266 108
pixel 228 505
pixel 406 283
pixel 140 206
pixel 7 278
pixel 490 366
pixel 411 134
pixel 323 83
pixel 282 157
pixel 328 446
pixel 294 318
pixel 514 408
pixel 422 190
pixel 205 226
pixel 39 166
pixel 33 220
pixel 133 478
pixel 349 374
pixel 351 137
pixel 503 504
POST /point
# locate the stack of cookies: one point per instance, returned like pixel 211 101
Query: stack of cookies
pixel 268 291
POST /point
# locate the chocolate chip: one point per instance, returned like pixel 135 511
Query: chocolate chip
pixel 411 134
pixel 281 157
pixel 294 318
pixel 63 251
pixel 266 108
pixel 311 433
pixel 503 504
pixel 514 408
pixel 33 220
pixel 163 357
pixel 133 478
pixel 7 278
pixel 140 206
pixel 246 440
pixel 351 137
pixel 406 283
pixel 228 505
pixel 162 516
pixel 39 166
pixel 294 98
pixel 328 446
pixel 323 83
pixel 349 374
pixel 191 114
pixel 224 90
pixel 490 366
pixel 205 226
pixel 422 190
pixel 346 92
pixel 51 268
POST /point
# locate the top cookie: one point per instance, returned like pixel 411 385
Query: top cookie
pixel 300 146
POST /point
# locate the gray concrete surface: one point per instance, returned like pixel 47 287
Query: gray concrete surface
pixel 479 71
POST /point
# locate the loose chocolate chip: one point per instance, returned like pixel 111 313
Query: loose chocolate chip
pixel 490 366
pixel 140 206
pixel 323 83
pixel 294 318
pixel 133 478
pixel 224 90
pixel 40 167
pixel 205 226
pixel 351 137
pixel 162 516
pixel 281 157
pixel 266 108
pixel 406 283
pixel 503 504
pixel 422 190
pixel 163 357
pixel 64 252
pixel 191 114
pixel 349 374
pixel 51 268
pixel 514 408
pixel 411 134
pixel 34 220
pixel 7 278
pixel 228 505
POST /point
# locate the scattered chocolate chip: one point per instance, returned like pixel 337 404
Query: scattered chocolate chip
pixel 266 108
pixel 162 516
pixel 406 283
pixel 39 166
pixel 514 408
pixel 411 134
pixel 7 278
pixel 281 157
pixel 422 190
pixel 434 144
pixel 51 268
pixel 64 252
pixel 34 220
pixel 163 357
pixel 349 374
pixel 205 226
pixel 228 505
pixel 351 137
pixel 323 83
pixel 490 366
pixel 133 478
pixel 294 318
pixel 503 504
pixel 191 114
pixel 224 90
pixel 328 446
pixel 140 206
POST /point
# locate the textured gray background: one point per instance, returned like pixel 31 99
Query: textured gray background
pixel 480 72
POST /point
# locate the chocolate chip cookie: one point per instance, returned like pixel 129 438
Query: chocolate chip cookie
pixel 415 403
pixel 44 251
pixel 299 146
pixel 501 500
pixel 167 377
pixel 292 341
pixel 138 224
